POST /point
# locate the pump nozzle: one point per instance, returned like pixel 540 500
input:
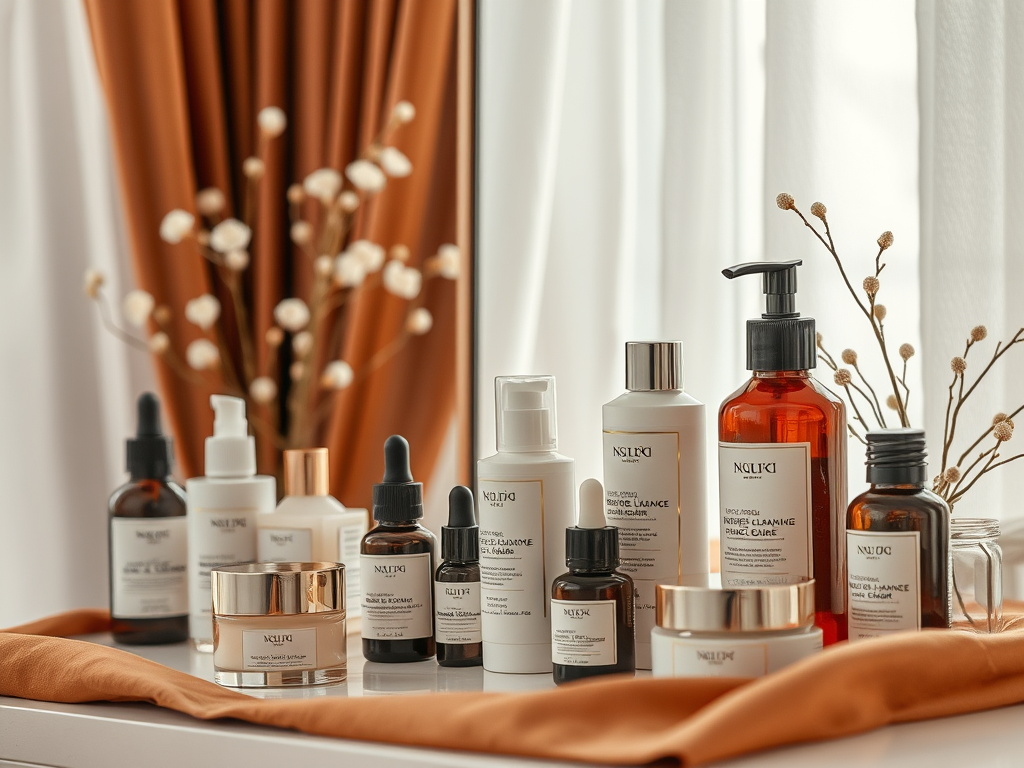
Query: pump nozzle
pixel 779 284
pixel 228 416
pixel 591 504
pixel 231 450
pixel 525 413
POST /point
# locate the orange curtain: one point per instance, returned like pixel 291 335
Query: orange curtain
pixel 184 81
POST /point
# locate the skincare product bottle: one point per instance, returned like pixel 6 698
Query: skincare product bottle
pixel 525 503
pixel 655 478
pixel 782 460
pixel 592 616
pixel 397 563
pixel 309 524
pixel 897 542
pixel 457 586
pixel 148 541
pixel 222 510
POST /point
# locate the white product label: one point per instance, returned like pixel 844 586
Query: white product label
pixel 583 633
pixel 349 538
pixel 396 596
pixel 148 558
pixel 264 649
pixel 884 586
pixel 217 537
pixel 457 612
pixel 691 660
pixel 765 513
pixel 513 581
pixel 285 545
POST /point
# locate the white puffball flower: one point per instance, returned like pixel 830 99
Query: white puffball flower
pixel 254 167
pixel 91 282
pixel 301 232
pixel 402 280
pixel 348 200
pixel 137 307
pixel 159 343
pixel 302 343
pixel 369 253
pixel 366 176
pixel 420 321
pixel 394 162
pixel 448 261
pixel 176 225
pixel 337 375
pixel 323 266
pixel 272 121
pixel 202 355
pixel 263 389
pixel 324 184
pixel 210 201
pixel 404 112
pixel 296 371
pixel 292 314
pixel 236 260
pixel 230 235
pixel 349 270
pixel 203 311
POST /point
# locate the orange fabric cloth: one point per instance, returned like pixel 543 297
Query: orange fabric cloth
pixel 846 689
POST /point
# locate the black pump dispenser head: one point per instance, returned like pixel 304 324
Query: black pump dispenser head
pixel 149 452
pixel 397 497
pixel 781 340
pixel 460 539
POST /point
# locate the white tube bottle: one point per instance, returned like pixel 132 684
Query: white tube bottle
pixel 310 525
pixel 655 478
pixel 222 510
pixel 526 501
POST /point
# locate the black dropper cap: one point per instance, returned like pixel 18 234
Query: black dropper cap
pixel 591 545
pixel 149 452
pixel 460 539
pixel 781 340
pixel 397 497
pixel 897 457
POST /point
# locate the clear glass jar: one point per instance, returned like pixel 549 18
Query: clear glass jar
pixel 977 570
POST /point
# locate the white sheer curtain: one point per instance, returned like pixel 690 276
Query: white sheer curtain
pixel 67 388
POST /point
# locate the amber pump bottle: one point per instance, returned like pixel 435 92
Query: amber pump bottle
pixel 897 542
pixel 457 586
pixel 396 564
pixel 593 616
pixel 782 459
pixel 148 541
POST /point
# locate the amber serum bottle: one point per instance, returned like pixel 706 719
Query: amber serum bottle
pixel 397 566
pixel 592 608
pixel 897 542
pixel 457 586
pixel 148 541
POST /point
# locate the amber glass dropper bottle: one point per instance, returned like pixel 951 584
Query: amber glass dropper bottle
pixel 782 459
pixel 457 586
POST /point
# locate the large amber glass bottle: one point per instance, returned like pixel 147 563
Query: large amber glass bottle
pixel 782 460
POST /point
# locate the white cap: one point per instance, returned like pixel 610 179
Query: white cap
pixel 525 413
pixel 231 452
pixel 591 504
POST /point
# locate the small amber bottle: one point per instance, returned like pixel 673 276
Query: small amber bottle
pixel 592 608
pixel 396 565
pixel 457 586
pixel 897 542
pixel 148 541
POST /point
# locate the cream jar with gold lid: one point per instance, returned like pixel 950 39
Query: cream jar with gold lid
pixel 279 624
pixel 703 630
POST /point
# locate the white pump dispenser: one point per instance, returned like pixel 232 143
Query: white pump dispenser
pixel 222 510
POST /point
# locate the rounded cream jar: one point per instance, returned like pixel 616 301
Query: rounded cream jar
pixel 277 624
pixel 703 630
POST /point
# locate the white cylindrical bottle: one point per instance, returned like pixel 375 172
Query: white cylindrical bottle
pixel 526 501
pixel 222 510
pixel 310 525
pixel 655 478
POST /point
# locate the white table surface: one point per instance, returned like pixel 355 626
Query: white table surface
pixel 106 735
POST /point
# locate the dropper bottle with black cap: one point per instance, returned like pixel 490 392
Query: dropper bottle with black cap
pixel 782 459
pixel 457 586
pixel 148 541
pixel 397 566
pixel 897 542
pixel 592 606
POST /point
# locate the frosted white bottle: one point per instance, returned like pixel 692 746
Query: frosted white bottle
pixel 310 525
pixel 655 478
pixel 526 500
pixel 222 510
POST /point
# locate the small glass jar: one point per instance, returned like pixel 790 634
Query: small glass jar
pixel 977 592
pixel 706 631
pixel 279 624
